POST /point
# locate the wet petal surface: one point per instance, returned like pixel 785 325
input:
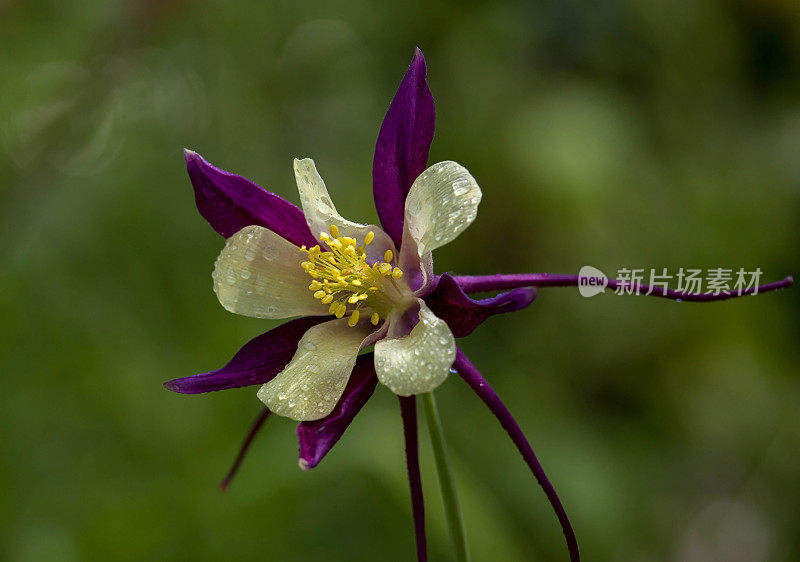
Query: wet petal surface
pixel 314 380
pixel 419 361
pixel 258 274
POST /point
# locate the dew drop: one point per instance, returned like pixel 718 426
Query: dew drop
pixel 281 396
pixel 270 252
pixel 291 403
pixel 245 273
pixel 460 187
pixel 249 254
pixel 304 387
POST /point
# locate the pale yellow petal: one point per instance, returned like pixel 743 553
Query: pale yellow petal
pixel 258 274
pixel 441 204
pixel 419 361
pixel 321 213
pixel 313 381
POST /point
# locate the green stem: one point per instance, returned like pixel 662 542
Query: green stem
pixel 452 509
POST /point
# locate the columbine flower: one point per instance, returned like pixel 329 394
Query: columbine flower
pixel 355 286
pixel 357 277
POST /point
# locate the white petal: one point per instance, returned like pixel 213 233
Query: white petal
pixel 321 213
pixel 313 381
pixel 258 274
pixel 420 361
pixel 441 204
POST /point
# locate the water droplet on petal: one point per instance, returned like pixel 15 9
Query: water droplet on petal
pixel 460 187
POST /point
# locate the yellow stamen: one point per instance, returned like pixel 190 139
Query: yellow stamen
pixel 341 276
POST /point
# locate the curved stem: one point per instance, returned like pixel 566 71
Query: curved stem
pixel 477 283
pixel 408 412
pixel 452 508
pixel 473 378
pixel 251 435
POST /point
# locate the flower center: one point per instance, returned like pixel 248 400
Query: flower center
pixel 344 279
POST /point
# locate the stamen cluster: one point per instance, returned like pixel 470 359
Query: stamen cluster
pixel 343 278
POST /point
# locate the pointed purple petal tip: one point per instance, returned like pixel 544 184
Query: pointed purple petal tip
pixel 401 151
pixel 257 362
pixel 230 202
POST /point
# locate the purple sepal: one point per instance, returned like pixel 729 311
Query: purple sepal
pixel 319 436
pixel 257 362
pixel 401 152
pixel 463 314
pixel 230 202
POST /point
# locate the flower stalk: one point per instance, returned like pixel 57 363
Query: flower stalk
pixel 452 508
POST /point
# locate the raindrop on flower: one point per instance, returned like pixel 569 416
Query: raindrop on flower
pixel 270 252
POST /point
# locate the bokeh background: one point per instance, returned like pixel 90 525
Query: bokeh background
pixel 620 133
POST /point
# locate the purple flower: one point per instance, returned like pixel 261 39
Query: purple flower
pixel 352 286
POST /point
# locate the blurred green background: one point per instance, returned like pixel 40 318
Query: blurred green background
pixel 620 133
